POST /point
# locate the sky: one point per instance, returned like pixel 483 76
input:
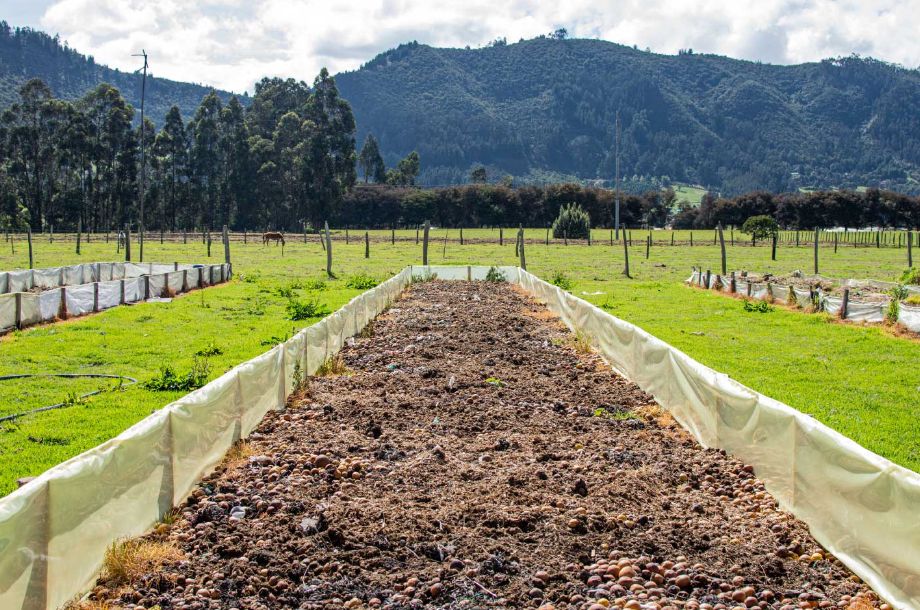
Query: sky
pixel 230 44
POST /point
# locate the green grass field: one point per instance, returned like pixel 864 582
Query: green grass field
pixel 690 193
pixel 861 381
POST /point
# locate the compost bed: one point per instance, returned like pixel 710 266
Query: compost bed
pixel 472 456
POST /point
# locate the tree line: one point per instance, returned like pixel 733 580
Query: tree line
pixel 285 161
pixel 538 206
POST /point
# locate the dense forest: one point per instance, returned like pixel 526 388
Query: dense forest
pixel 26 54
pixel 544 109
pixel 285 161
pixel 476 205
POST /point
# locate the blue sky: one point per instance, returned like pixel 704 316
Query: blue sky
pixel 232 43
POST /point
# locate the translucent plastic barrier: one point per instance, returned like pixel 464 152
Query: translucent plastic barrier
pixel 857 311
pixel 82 289
pixel 860 506
pixel 54 531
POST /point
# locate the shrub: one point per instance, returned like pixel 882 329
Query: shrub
pixel 913 300
pixel 302 310
pixel 760 227
pixel 361 282
pixel 314 285
pixel 898 294
pixel 572 222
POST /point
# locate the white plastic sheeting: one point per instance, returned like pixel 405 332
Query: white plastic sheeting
pixel 860 506
pixel 54 531
pixel 80 298
pixel 857 311
pixel 85 273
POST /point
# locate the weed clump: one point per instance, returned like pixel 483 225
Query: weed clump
pixel 170 381
pixel 298 309
pixel 317 285
pixel 911 276
pixel 495 276
pixel 562 281
pixel 361 282
pixel 126 561
pixel 210 350
pixel 758 307
pixel 333 366
pixel 898 294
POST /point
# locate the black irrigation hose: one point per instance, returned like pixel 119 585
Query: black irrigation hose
pixel 60 405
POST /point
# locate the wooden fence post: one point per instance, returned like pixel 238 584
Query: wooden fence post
pixel 226 238
pixel 817 235
pixel 328 250
pixel 79 232
pixel 95 296
pixel 425 244
pixel 910 247
pixel 523 262
pixel 835 242
pixel 732 284
pixel 128 244
pixel 773 252
pixel 722 244
pixel 461 236
pixel 626 255
pixel 367 245
pixel 648 246
pixel 29 237
pixel 18 298
pixel 501 236
pixel 845 304
pixel 209 243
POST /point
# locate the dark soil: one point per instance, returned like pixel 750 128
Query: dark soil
pixel 473 456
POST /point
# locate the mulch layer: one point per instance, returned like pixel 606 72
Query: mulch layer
pixel 470 452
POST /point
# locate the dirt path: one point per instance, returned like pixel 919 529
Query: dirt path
pixel 474 456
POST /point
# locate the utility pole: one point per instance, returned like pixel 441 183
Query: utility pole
pixel 143 54
pixel 616 204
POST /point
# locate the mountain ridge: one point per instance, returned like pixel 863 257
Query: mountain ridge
pixel 26 53
pixel 550 104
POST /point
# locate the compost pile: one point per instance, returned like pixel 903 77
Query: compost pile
pixel 471 453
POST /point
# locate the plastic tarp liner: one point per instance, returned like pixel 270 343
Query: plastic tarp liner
pixel 31 309
pixel 158 268
pixel 54 531
pixel 174 282
pixel 7 311
pixel 760 291
pixel 80 299
pixel 832 305
pixel 803 297
pixel 157 285
pixel 866 312
pixel 192 277
pixel 109 294
pixel 49 303
pixel 73 275
pixel 780 293
pixel 47 278
pixel 4 282
pixel 908 315
pixel 862 507
pixel 20 281
pixel 133 293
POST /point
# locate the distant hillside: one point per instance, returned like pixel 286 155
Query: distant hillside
pixel 27 54
pixel 546 107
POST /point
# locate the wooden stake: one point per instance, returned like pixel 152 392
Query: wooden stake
pixel 367 245
pixel 425 244
pixel 31 261
pixel 226 245
pixel 910 248
pixel 845 305
pixel 722 244
pixel 523 262
pixel 79 232
pixel 128 244
pixel 626 255
pixel 328 250
pixel 817 236
pixel 773 252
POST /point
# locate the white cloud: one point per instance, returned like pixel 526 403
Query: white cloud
pixel 232 43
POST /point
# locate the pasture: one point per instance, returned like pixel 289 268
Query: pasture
pixel 862 381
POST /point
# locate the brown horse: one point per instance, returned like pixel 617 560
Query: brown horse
pixel 273 236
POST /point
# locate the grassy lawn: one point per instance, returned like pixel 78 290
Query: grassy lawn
pixel 859 380
pixel 690 193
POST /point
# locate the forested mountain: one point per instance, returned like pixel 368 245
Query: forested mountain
pixel 547 107
pixel 26 54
